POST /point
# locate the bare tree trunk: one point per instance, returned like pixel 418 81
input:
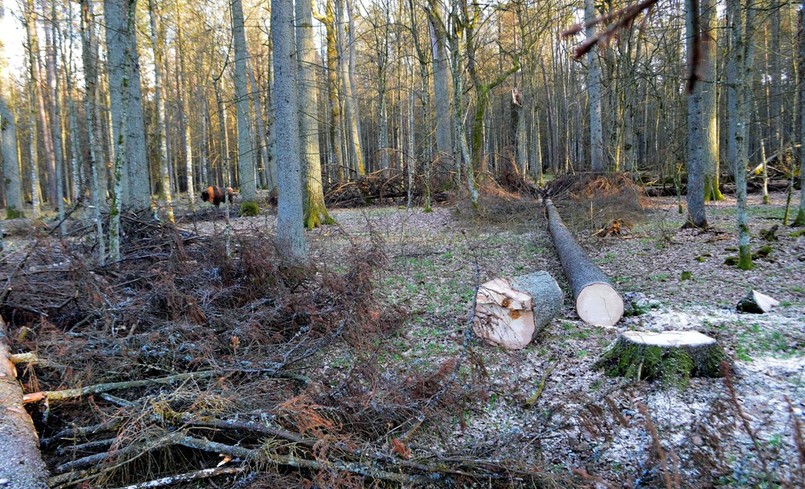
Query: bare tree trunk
pixel 159 97
pixel 184 101
pixel 246 179
pixel 57 178
pixel 350 104
pixel 12 183
pixel 441 84
pixel 696 137
pixel 594 89
pixel 800 219
pixel 741 32
pixel 336 133
pixel 315 211
pixel 89 52
pixel 290 209
pixel 67 57
pixel 709 100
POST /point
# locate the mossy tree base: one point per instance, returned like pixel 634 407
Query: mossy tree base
pixel 671 356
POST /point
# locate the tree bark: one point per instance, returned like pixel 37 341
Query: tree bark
pixel 11 167
pixel 594 90
pixel 709 100
pixel 246 179
pixel 290 208
pixel 800 219
pixel 22 466
pixel 510 313
pixel 441 85
pixel 597 302
pixel 315 212
pixel 696 144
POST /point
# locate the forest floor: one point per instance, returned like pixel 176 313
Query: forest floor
pixel 419 390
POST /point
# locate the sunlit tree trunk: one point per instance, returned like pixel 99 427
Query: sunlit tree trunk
pixel 709 100
pixel 159 98
pixel 333 88
pixel 350 102
pixel 290 209
pixel 315 212
pixel 594 90
pixel 424 78
pixel 75 157
pixel 184 102
pixel 246 179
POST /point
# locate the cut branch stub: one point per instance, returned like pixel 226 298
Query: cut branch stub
pixel 597 301
pixel 670 356
pixel 510 313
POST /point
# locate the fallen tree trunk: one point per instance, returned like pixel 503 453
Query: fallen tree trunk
pixel 510 313
pixel 670 356
pixel 597 302
pixel 21 465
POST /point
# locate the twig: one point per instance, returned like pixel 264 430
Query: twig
pixel 98 388
pixel 726 371
pixel 540 388
pixel 655 438
pixel 189 476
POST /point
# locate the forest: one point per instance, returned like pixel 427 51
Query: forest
pixel 402 243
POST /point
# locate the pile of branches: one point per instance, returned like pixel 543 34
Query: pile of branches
pixel 189 359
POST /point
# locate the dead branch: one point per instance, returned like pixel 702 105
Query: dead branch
pixel 52 396
pixel 188 476
pixel 655 438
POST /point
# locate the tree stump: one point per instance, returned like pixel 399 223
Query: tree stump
pixel 21 465
pixel 756 303
pixel 597 301
pixel 510 313
pixel 671 356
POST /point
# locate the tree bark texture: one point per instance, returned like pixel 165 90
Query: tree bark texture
pixel 290 225
pixel 441 85
pixel 696 143
pixel 594 89
pixel 800 219
pixel 511 312
pixel 22 466
pixel 597 302
pixel 247 180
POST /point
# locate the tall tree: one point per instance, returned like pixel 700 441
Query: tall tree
pixel 159 98
pixel 8 140
pixel 800 219
pixel 594 89
pixel 333 87
pixel 441 82
pixel 126 95
pixel 290 207
pixel 709 100
pixel 696 139
pixel 54 94
pixel 741 28
pixel 315 211
pixel 246 169
pixel 350 102
pixel 89 56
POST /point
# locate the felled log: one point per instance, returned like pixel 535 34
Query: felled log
pixel 597 301
pixel 510 312
pixel 21 465
pixel 757 303
pixel 670 356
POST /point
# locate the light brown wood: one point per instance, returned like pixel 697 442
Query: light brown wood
pixel 510 312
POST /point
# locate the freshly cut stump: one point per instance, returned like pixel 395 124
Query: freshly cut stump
pixel 510 312
pixel 597 301
pixel 670 356
pixel 756 303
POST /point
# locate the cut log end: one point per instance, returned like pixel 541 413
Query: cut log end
pixel 599 304
pixel 672 356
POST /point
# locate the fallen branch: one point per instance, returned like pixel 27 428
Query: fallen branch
pixel 62 395
pixel 189 476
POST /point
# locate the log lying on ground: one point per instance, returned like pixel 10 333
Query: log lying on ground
pixel 511 312
pixel 756 303
pixel 21 465
pixel 597 302
pixel 670 356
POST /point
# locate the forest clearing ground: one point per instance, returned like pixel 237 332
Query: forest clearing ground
pixel 541 410
pixel 573 423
